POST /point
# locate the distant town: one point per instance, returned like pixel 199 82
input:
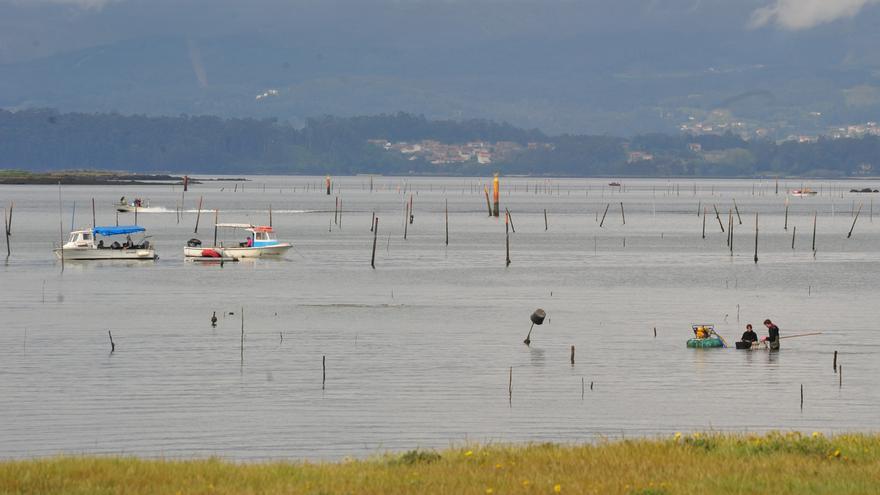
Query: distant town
pixel 437 153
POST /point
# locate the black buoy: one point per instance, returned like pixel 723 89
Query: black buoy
pixel 537 319
pixel 214 319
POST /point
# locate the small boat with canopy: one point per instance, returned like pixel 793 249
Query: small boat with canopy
pixel 88 244
pixel 260 242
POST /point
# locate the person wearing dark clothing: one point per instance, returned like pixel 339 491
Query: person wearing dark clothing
pixel 773 335
pixel 749 335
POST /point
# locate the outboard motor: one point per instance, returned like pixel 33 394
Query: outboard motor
pixel 193 242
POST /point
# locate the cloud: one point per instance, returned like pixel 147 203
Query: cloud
pixel 805 14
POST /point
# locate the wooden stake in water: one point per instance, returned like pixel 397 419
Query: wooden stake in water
pixel 112 344
pixel 736 209
pixel 802 396
pixel 323 371
pixel 372 221
pixel 242 336
pixel 756 237
pixel 405 219
pixel 704 223
pixel 336 211
pixel 510 217
pixel 572 355
pixel 270 213
pixel 199 216
pixel 375 230
pixel 216 217
pixel 603 214
pixel 854 222
pixel 545 220
pixel 61 225
pixel 488 205
pixel 718 217
pixel 793 233
pixel 785 227
pixel 496 191
pixel 507 238
pixel 835 361
pixel 815 214
pixel 93 213
pixel 510 386
pixel 446 214
pixel 622 214
pixel 6 230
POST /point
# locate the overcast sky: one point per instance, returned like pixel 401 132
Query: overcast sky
pixel 36 28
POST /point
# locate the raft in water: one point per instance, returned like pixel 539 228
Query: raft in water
pixel 705 343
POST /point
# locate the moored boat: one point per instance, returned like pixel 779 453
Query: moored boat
pixel 85 245
pixel 803 192
pixel 705 337
pixel 261 242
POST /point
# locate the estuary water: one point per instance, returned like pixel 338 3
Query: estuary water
pixel 425 350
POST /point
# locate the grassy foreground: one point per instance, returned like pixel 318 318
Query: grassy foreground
pixel 692 464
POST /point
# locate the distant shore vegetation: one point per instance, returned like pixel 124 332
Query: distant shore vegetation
pixel 402 144
pixel 690 464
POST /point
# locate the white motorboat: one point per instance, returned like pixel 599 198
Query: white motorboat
pixel 82 245
pixel 137 205
pixel 803 192
pixel 261 242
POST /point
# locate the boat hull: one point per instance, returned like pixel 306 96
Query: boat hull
pixel 256 251
pixel 106 254
pixel 140 209
pixel 710 342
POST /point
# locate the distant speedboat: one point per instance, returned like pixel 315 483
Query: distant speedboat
pixel 803 192
pixel 82 245
pixel 261 242
pixel 614 184
pixel 137 205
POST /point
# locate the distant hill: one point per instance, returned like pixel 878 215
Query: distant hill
pixel 41 140
pixel 619 83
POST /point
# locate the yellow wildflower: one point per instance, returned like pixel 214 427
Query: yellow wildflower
pixel 816 434
pixel 469 453
pixel 525 482
pixel 557 488
pixel 677 436
pixel 498 466
pixel 489 491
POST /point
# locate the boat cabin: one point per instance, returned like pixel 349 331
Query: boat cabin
pixel 263 236
pixel 80 239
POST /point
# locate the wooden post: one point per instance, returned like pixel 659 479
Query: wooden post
pixel 61 226
pixel 802 396
pixel 336 211
pixel 510 385
pixel 340 214
pixel 327 183
pixel 699 207
pixel 736 209
pixel 655 332
pixel 9 222
pixel 406 218
pixel 756 237
pixel 216 216
pixel 488 205
pixel 510 217
pixel 835 361
pixel 622 214
pixel 447 222
pixel 199 216
pixel 93 213
pixel 135 214
pixel 718 217
pixel 112 344
pixel 6 229
pixel 323 371
pixel 375 230
pixel 572 355
pixel 496 191
pixel 704 223
pixel 785 227
pixel 840 376
pixel 545 220
pixel 603 214
pixel 507 238
pixel 815 214
pixel 242 336
pixel 854 222
pixel 793 233
pixel 270 213
pixel 372 221
pixel 411 214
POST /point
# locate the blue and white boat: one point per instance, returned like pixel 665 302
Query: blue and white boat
pixel 89 244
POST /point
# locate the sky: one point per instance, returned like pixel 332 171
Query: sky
pixel 37 28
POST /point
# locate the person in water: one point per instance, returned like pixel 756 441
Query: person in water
pixel 749 335
pixel 773 335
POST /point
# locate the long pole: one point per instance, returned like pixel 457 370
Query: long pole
pixel 603 214
pixel 198 216
pixel 736 209
pixel 718 217
pixel 447 222
pixel 854 222
pixel 375 235
pixel 622 213
pixel 545 220
pixel 815 214
pixel 6 229
pixel 704 223
pixel 216 216
pixel 785 227
pixel 270 214
pixel 93 213
pixel 507 238
pixel 756 237
pixel 9 223
pixel 61 227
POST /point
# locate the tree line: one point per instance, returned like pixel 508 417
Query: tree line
pixel 45 139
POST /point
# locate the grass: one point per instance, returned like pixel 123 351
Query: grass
pixel 777 463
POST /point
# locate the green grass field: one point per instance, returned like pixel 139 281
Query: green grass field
pixel 777 463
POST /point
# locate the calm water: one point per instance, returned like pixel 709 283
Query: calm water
pixel 418 351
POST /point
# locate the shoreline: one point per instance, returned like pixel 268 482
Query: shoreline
pixel 779 463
